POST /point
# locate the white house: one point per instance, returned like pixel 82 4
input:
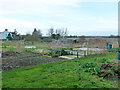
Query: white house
pixel 3 35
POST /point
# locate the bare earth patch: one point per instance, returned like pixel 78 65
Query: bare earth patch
pixel 13 60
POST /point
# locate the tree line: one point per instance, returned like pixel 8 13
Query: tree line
pixel 52 34
pixel 37 35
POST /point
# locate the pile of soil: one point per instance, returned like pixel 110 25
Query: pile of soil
pixel 9 53
pixel 110 71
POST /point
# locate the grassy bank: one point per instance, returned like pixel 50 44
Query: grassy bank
pixel 63 74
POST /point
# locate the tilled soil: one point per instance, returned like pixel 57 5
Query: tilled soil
pixel 20 60
pixel 9 53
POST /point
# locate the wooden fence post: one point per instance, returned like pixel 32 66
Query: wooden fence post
pixel 77 54
pixel 84 53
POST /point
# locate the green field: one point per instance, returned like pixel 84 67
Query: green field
pixel 76 73
pixel 15 46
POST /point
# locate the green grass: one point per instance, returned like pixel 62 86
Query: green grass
pixel 13 46
pixel 113 50
pixel 58 75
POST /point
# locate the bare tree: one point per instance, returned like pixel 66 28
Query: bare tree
pixel 62 32
pixel 59 32
pixel 66 32
pixel 50 31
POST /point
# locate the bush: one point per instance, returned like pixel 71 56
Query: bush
pixel 71 48
pixel 77 47
pixel 49 53
pixel 55 55
pixel 63 52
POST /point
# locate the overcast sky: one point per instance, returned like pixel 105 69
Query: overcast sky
pixel 80 17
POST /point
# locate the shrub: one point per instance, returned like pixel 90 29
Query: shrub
pixel 55 55
pixel 63 52
pixel 49 53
